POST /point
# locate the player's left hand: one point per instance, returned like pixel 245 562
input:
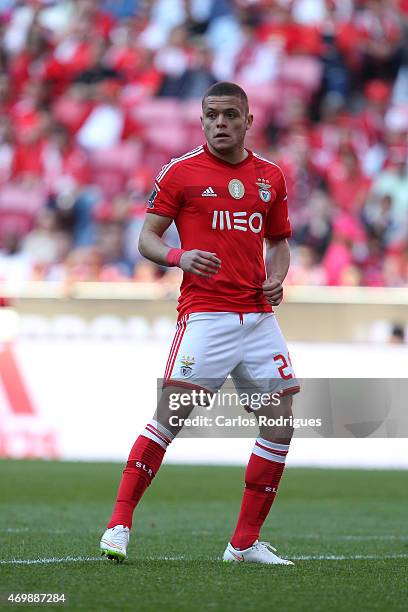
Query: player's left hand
pixel 273 291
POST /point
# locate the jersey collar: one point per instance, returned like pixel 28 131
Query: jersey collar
pixel 229 164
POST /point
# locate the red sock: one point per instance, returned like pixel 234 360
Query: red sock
pixel 262 477
pixel 143 463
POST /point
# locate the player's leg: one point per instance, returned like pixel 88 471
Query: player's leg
pixel 144 461
pixel 195 355
pixel 263 475
pixel 263 362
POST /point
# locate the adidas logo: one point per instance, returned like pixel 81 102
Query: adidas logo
pixel 209 192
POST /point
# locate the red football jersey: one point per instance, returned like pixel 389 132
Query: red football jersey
pixel 226 209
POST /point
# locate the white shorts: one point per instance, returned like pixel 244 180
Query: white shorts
pixel 209 346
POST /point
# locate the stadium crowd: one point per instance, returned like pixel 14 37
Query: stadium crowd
pixel 96 96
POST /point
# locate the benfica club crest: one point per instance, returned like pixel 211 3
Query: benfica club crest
pixel 264 189
pixel 186 370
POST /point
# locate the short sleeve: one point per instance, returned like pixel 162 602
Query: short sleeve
pixel 277 225
pixel 167 195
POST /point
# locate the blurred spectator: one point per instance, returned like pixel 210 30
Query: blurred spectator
pixel 372 116
pixel 305 269
pixel 111 248
pixel 347 184
pixel 301 176
pixel 31 60
pixel 195 79
pixel 381 31
pixel 316 228
pixel 83 264
pixel 326 134
pixel 256 63
pixel 335 75
pixel 393 182
pixel 6 149
pixel 73 107
pixel 395 269
pixel 173 61
pixel 343 252
pixel 350 276
pixel 372 264
pixel 164 16
pixel 120 9
pixel 64 166
pixel 397 335
pixel 98 68
pixel 377 217
pixel 46 245
pixel 5 94
pixel 146 272
pixel 15 266
pixel 108 123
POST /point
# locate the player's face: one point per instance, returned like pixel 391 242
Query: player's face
pixel 225 122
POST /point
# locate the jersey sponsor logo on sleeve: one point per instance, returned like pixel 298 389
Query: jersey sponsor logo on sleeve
pixel 236 189
pixel 152 197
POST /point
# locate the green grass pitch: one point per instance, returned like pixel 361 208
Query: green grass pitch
pixel 348 530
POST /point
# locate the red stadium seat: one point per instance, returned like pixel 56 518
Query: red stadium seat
pixel 124 157
pixel 111 182
pixel 14 223
pixel 22 198
pixel 155 159
pixel 301 70
pixel 19 206
pixel 190 111
pixel 157 111
pixel 172 139
pixel 112 168
pixel 71 112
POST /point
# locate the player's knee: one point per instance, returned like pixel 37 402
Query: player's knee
pixel 276 422
pixel 280 435
pixel 175 405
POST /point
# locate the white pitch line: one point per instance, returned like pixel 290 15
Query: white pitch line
pixel 327 536
pixel 27 530
pixel 172 558
pixel 50 560
pixel 348 557
pixel 183 558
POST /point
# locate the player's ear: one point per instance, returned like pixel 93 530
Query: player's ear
pixel 250 119
pixel 202 123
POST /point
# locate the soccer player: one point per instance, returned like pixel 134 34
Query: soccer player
pixel 226 202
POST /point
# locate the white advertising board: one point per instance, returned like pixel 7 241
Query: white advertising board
pixel 88 398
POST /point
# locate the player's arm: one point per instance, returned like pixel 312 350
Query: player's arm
pixel 153 247
pixel 277 260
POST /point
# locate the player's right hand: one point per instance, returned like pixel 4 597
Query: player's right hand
pixel 202 263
